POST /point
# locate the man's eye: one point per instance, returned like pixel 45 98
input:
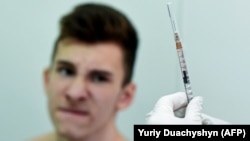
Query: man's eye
pixel 65 71
pixel 99 78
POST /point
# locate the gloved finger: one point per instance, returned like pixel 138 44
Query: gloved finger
pixel 206 120
pixel 169 103
pixel 179 100
pixel 159 118
pixel 193 110
pixel 180 112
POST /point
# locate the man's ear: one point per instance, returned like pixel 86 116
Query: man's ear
pixel 127 96
pixel 46 79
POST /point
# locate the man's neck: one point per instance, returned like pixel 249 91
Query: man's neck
pixel 108 132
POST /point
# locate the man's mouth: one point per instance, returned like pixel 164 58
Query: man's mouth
pixel 72 111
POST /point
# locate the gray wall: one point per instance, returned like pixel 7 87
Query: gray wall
pixel 215 38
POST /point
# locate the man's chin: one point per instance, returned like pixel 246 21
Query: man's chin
pixel 72 133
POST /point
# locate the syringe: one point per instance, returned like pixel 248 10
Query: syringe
pixel 180 53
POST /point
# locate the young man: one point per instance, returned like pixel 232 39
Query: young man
pixel 89 79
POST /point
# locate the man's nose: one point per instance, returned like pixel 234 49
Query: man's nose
pixel 77 90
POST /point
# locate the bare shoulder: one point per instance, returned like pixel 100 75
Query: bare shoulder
pixel 45 137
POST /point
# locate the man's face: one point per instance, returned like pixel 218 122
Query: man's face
pixel 84 87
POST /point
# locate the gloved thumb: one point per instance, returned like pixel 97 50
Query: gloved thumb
pixel 193 110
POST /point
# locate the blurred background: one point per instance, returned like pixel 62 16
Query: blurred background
pixel 215 35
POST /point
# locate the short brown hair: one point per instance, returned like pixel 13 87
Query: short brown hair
pixel 94 23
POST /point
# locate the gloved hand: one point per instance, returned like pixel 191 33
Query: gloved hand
pixel 173 109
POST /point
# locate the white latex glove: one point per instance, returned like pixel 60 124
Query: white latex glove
pixel 173 109
pixel 170 109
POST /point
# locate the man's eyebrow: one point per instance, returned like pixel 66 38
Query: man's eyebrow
pixel 92 72
pixel 101 72
pixel 65 63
